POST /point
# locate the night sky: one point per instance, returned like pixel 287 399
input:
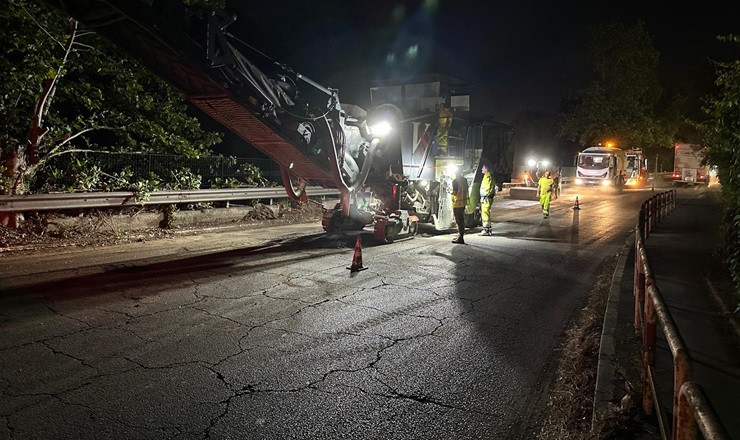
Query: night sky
pixel 519 56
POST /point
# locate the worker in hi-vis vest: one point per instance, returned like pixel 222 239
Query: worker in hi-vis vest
pixel 487 191
pixel 459 202
pixel 544 191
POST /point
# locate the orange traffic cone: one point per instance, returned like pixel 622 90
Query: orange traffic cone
pixel 357 258
pixel 576 205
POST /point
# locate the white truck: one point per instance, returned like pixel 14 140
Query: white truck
pixel 602 166
pixel 687 165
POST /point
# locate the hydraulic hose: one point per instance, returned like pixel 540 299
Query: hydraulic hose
pixel 364 171
pixel 293 194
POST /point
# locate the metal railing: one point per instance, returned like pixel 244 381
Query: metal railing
pixel 122 199
pixel 691 408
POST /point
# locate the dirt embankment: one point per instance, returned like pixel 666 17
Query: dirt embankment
pixel 101 228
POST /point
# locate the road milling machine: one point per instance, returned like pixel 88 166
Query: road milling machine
pixel 297 122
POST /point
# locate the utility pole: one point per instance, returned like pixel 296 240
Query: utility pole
pixel 656 163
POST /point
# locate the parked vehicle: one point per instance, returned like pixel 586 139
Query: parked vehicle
pixel 687 165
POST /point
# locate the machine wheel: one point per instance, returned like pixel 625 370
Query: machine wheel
pixel 335 221
pixel 390 232
pixel 413 228
pixel 387 231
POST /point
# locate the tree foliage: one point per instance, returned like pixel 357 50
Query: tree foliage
pixel 99 99
pixel 621 99
pixel 721 135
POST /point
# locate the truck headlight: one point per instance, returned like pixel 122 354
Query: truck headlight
pixel 606 182
pixel 579 181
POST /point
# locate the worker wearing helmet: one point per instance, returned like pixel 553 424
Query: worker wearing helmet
pixel 487 191
pixel 544 191
pixel 459 202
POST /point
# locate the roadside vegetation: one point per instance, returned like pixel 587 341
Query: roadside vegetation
pixel 621 99
pixel 69 97
pixel 66 90
pixel 721 134
pixel 571 397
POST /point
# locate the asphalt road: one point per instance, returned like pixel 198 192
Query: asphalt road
pixel 266 334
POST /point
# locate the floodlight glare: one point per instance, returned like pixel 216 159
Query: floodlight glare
pixel 381 129
pixel 531 162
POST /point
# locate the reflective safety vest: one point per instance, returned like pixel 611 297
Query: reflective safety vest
pixel 459 192
pixel 545 185
pixel 487 186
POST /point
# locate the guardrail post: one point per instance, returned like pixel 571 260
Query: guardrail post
pixel 681 375
pixel 666 207
pixel 646 218
pixel 639 285
pixel 648 347
pixel 654 217
pixel 685 428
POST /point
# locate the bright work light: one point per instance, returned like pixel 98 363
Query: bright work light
pixel 381 129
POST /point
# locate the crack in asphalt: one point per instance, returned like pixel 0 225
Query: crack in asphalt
pixel 491 294
pixel 60 352
pixel 56 312
pixel 250 388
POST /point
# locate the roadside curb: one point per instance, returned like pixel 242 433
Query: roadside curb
pixel 723 307
pixel 604 390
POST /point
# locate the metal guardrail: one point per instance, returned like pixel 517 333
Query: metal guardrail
pixel 691 408
pixel 122 199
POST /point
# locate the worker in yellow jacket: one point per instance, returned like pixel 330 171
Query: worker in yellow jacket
pixel 459 202
pixel 487 191
pixel 544 192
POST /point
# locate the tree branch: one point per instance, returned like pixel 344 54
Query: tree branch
pixel 44 102
pixel 53 152
pixel 83 45
pixel 40 27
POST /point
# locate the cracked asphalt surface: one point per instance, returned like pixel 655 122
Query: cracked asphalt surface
pixel 266 334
